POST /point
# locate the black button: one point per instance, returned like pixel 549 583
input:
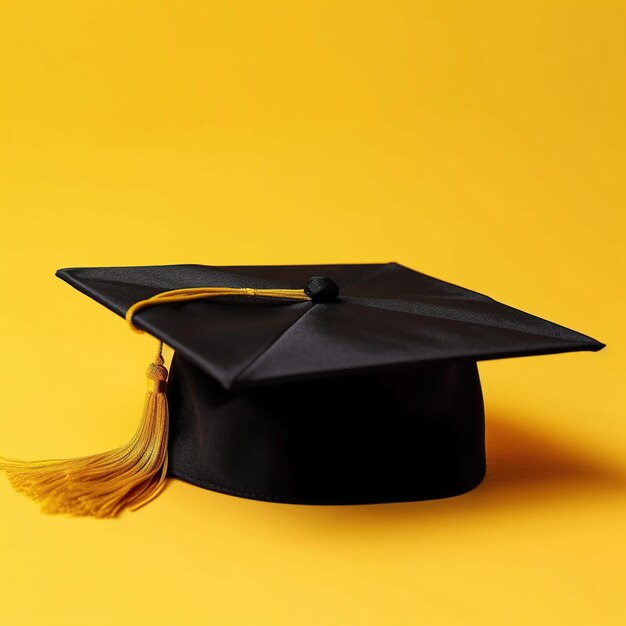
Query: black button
pixel 321 289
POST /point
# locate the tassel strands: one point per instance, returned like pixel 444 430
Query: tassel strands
pixel 103 485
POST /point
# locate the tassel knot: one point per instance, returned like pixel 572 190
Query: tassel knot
pixel 156 372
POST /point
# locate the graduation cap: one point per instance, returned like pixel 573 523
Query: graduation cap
pixel 309 384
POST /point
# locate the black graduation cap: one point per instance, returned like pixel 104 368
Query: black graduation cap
pixel 324 384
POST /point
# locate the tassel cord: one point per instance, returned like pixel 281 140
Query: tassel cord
pixel 199 293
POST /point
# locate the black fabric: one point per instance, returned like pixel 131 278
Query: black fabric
pixel 412 434
pixel 386 315
pixel 373 397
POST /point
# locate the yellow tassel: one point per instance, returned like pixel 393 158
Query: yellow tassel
pixel 102 485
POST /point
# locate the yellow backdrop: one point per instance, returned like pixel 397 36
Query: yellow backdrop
pixel 479 142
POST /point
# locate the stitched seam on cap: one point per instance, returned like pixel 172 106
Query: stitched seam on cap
pixel 251 364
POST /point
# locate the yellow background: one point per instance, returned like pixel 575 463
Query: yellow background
pixel 479 142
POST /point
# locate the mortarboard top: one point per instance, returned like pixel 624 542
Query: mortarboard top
pixel 385 315
pixel 364 389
